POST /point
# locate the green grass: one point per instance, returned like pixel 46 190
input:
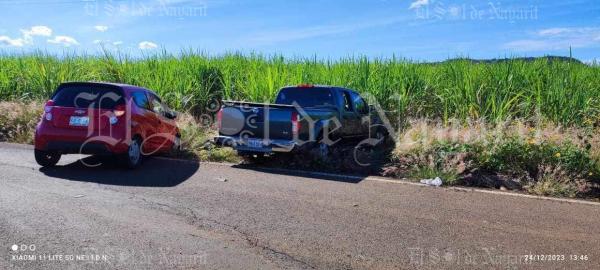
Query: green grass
pixel 558 91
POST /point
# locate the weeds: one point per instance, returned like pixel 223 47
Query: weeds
pixel 18 121
pixel 545 160
pixel 196 140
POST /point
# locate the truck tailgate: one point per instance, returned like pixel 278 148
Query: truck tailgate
pixel 253 120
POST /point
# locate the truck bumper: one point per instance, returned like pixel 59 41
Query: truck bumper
pixel 267 146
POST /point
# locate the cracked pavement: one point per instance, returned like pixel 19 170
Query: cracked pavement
pixel 182 215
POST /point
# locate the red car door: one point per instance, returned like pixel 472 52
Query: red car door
pixel 144 120
pixel 165 129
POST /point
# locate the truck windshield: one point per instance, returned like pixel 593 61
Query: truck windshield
pixel 306 97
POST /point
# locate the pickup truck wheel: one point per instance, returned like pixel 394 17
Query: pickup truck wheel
pixel 253 158
pixel 46 158
pixel 323 150
pixel 381 136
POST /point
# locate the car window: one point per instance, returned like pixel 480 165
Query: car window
pixel 141 100
pixel 347 102
pixel 157 105
pixel 360 104
pixel 86 96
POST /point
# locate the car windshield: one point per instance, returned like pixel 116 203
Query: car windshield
pixel 306 97
pixel 86 96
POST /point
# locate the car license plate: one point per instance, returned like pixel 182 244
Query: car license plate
pixel 255 143
pixel 79 121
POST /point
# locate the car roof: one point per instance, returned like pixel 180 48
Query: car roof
pixel 126 87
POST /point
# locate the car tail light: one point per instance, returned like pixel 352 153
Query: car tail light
pixel 48 106
pixel 219 118
pixel 48 110
pixel 295 123
pixel 119 110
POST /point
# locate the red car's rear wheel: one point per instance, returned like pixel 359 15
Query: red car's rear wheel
pixel 133 157
pixel 46 158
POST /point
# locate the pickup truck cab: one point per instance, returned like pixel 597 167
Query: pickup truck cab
pixel 303 116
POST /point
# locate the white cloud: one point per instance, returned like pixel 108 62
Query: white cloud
pixel 64 40
pixel 101 28
pixel 553 31
pixel 418 4
pixel 38 30
pixel 26 36
pixel 147 45
pixel 558 39
pixel 7 41
pixel 531 45
pixel 108 42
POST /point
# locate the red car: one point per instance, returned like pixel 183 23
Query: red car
pixel 104 118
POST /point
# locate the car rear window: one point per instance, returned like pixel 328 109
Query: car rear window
pixel 306 97
pixel 85 96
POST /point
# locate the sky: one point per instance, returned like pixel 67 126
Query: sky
pixel 422 30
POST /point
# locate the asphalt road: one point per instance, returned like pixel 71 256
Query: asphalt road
pixel 185 215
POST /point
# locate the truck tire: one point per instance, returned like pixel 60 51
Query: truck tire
pixel 322 150
pixel 253 158
pixel 381 135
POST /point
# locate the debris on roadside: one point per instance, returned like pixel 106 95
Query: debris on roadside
pixel 222 179
pixel 432 182
pixel 79 196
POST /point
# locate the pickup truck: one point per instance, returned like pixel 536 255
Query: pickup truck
pixel 303 117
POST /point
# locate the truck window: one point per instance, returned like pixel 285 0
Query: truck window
pixel 359 104
pixel 347 102
pixel 306 97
